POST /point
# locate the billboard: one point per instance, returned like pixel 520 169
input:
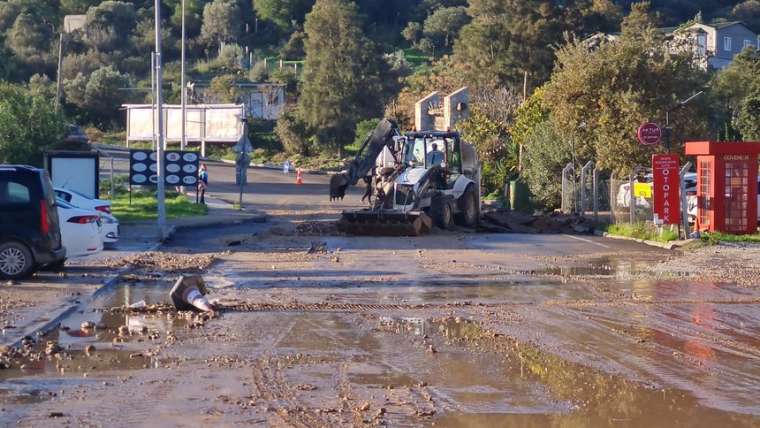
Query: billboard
pixel 213 123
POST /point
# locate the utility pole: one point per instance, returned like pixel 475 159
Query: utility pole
pixel 59 81
pixel 183 138
pixel 160 128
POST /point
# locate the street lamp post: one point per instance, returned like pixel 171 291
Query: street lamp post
pixel 183 138
pixel 160 127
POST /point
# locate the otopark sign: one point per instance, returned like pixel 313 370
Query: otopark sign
pixel 649 134
pixel 666 189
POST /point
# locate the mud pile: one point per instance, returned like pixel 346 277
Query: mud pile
pixel 504 221
pixel 165 262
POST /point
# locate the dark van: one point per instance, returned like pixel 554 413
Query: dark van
pixel 30 237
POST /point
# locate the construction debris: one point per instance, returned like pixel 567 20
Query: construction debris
pixel 505 221
pixel 189 293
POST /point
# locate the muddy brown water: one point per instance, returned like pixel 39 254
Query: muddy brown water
pixel 691 347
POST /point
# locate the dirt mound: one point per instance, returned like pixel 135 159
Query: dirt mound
pixel 504 221
pixel 165 262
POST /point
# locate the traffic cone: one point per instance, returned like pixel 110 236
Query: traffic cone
pixel 299 176
pixel 189 293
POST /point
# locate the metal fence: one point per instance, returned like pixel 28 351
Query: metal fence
pixel 585 191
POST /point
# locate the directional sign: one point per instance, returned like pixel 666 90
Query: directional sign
pixel 649 134
pixel 180 168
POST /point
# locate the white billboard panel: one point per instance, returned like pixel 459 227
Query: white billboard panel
pixel 204 123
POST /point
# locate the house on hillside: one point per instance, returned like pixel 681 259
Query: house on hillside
pixel 716 44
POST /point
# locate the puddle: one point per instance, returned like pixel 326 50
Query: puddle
pixel 597 399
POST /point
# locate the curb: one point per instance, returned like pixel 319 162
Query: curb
pixel 665 245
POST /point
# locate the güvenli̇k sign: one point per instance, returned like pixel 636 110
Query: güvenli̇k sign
pixel 666 189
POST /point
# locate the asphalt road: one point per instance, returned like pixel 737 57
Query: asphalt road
pixel 267 190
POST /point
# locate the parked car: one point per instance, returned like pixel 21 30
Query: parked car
pixel 82 201
pixel 80 229
pixel 691 202
pixel 30 235
pixel 109 228
pixel 623 197
pixel 110 224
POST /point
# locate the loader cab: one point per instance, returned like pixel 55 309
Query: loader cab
pixel 429 149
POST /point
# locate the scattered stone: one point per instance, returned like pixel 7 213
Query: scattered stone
pixel 364 407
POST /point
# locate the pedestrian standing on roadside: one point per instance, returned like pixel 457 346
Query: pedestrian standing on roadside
pixel 202 182
pixel 286 166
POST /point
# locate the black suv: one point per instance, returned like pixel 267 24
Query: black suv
pixel 30 237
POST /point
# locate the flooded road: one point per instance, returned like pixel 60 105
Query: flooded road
pixel 493 334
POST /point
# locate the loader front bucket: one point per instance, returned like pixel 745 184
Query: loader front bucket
pixel 385 223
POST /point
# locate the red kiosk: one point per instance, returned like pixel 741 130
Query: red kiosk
pixel 726 185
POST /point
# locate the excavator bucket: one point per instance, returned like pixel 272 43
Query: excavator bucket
pixel 385 223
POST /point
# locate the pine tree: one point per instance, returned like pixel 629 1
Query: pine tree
pixel 341 78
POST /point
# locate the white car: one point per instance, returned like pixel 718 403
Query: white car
pixel 109 228
pixel 80 229
pixel 82 201
pixel 110 224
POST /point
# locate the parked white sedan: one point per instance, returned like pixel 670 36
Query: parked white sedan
pixel 82 201
pixel 109 223
pixel 80 229
pixel 109 228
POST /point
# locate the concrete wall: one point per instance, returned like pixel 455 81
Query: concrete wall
pixel 423 120
pixel 456 107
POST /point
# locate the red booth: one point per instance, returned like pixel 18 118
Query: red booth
pixel 726 185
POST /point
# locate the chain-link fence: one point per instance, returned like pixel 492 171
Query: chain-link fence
pixel 632 197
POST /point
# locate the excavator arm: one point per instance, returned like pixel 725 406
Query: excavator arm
pixel 365 159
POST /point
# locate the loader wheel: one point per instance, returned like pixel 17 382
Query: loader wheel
pixel 440 210
pixel 468 209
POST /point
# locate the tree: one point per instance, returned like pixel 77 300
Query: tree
pixel 291 131
pixel 193 16
pixel 599 98
pixel 75 7
pixel 222 22
pixel 42 128
pixel 443 25
pixel 100 95
pixel 341 78
pixel 224 88
pixel 284 13
pixel 545 155
pixel 748 120
pixel 749 13
pixel 507 38
pixel 732 89
pixel 29 37
pixel 412 32
pixel 109 25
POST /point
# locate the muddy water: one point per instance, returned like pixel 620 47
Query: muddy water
pixel 597 399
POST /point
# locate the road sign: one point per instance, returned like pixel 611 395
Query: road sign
pixel 666 189
pixel 180 168
pixel 649 134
